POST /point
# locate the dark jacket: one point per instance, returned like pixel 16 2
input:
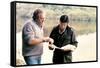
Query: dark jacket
pixel 67 37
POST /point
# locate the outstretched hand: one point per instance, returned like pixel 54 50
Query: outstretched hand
pixel 47 39
pixel 51 41
pixel 52 47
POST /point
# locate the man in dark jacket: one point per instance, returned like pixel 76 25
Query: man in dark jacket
pixel 64 41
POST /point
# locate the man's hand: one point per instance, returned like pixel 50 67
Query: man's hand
pixel 52 47
pixel 68 47
pixel 47 39
pixel 51 41
pixel 40 40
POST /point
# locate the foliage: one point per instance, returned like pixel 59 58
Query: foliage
pixel 79 16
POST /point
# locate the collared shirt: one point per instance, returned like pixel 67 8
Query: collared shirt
pixel 31 31
pixel 61 31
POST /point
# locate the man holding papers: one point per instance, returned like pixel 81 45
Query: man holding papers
pixel 64 41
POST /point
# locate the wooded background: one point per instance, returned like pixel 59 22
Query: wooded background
pixel 82 19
